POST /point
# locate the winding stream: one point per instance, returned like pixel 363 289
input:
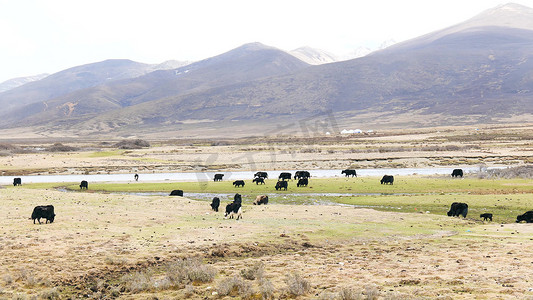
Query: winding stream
pixel 208 176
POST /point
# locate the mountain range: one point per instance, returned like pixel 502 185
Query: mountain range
pixel 16 82
pixel 478 71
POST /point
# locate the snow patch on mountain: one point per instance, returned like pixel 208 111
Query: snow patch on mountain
pixel 16 82
pixel 313 56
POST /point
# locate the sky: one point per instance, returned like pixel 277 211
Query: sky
pixel 47 36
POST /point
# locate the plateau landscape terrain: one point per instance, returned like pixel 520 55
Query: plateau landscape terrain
pixel 475 72
pixel 109 173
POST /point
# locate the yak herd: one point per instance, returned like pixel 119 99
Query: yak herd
pixel 234 209
pixel 456 209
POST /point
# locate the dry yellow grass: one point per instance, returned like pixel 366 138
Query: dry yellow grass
pixel 98 238
pixel 419 148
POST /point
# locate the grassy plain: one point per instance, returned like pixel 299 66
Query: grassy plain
pixel 112 245
pixel 338 238
pixel 361 185
pixel 505 198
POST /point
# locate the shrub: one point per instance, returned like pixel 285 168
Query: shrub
pixel 49 294
pixel 297 285
pixel 4 146
pixel 371 292
pixel 189 291
pixel 266 288
pixel 346 293
pixel 132 144
pixel 58 147
pixel 8 279
pixel 190 270
pixel 253 272
pixel 113 260
pixel 234 286
pixel 137 282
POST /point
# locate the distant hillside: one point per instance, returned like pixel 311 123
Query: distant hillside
pixel 16 82
pixel 243 64
pixel 479 71
pixel 74 79
pixel 473 75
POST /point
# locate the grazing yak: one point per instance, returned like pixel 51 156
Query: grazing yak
pixel 84 185
pixel 387 179
pixel 457 173
pixel 218 177
pixel 43 211
pixel 176 193
pixel 302 182
pixel 261 199
pixel 301 174
pixel 237 198
pixel 215 204
pixel 261 175
pixel 259 180
pixel 238 183
pixel 285 175
pixel 233 209
pixel 348 173
pixel 486 216
pixel 528 217
pixel 281 185
pixel 17 181
pixel 457 209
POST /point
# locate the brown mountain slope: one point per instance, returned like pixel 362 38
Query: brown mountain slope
pixel 248 62
pixel 476 72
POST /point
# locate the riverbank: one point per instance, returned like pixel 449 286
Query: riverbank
pixel 417 149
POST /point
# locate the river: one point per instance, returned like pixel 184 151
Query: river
pixel 208 176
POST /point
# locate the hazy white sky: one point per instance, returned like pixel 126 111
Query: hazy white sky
pixel 52 35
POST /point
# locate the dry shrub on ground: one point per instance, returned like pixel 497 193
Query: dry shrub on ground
pixel 371 292
pixel 266 288
pixel 8 279
pixel 189 291
pixel 256 271
pixel 8 149
pixel 235 286
pixel 190 270
pixel 347 293
pixel 58 147
pixel 327 296
pixel 176 274
pixel 297 285
pixel 138 282
pixel 116 261
pixel 132 144
pixel 50 294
